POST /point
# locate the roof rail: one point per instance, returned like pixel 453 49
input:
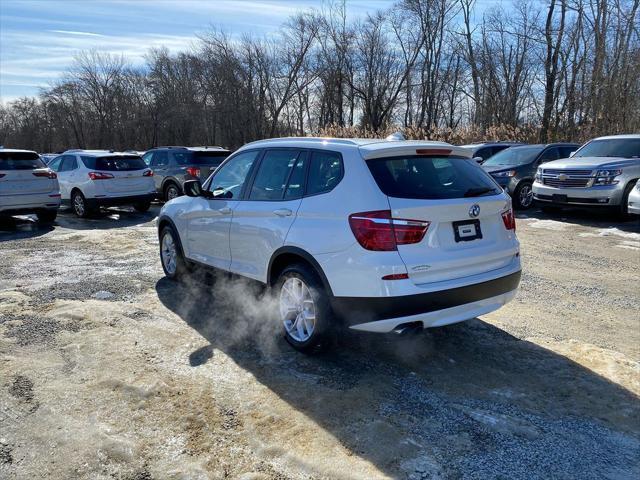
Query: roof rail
pixel 342 141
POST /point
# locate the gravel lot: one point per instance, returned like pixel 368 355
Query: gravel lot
pixel 108 370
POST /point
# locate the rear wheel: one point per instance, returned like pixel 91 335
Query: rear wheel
pixel 79 204
pixel 171 191
pixel 304 308
pixel 142 207
pixel 523 196
pixel 173 262
pixel 47 216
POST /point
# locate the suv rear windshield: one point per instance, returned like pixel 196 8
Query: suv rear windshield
pixel 431 177
pixel 20 161
pixel 200 158
pixel 118 163
pixel 620 147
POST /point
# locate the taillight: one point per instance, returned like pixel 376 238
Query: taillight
pixel 377 231
pixel 147 173
pixel 396 276
pixel 44 173
pixel 99 176
pixel 193 171
pixel 509 220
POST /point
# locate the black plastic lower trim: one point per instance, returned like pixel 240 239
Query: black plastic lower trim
pixel 590 201
pixel 114 201
pixel 354 310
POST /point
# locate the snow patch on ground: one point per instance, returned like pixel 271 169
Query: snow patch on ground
pixel 608 232
pixel 549 225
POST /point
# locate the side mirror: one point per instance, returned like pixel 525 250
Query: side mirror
pixel 192 188
pixel 478 159
pixel 572 154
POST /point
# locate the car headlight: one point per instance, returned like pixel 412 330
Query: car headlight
pixel 538 175
pixel 607 177
pixel 508 173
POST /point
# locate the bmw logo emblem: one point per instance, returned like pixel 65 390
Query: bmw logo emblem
pixel 474 211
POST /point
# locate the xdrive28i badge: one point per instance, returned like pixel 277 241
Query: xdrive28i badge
pixel 474 211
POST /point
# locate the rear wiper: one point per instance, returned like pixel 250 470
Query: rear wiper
pixel 476 192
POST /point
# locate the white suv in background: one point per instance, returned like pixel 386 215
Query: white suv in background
pixel 382 235
pixel 27 186
pixel 90 179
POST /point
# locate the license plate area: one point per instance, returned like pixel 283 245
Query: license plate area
pixel 559 198
pixel 467 230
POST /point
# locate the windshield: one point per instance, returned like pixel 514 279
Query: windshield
pixel 20 161
pixel 619 147
pixel 514 156
pixel 118 163
pixel 431 177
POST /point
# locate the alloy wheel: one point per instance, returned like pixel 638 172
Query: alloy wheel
pixel 526 196
pixel 297 309
pixel 169 254
pixel 78 205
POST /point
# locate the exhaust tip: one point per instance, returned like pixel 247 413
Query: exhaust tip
pixel 409 328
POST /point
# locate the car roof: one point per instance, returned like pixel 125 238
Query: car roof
pixel 16 150
pixel 627 136
pixel 369 147
pixel 100 153
pixel 192 149
pixel 546 145
pixel 490 144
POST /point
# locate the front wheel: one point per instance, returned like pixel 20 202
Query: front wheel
pixel 523 196
pixel 47 216
pixel 173 262
pixel 171 191
pixel 304 308
pixel 623 210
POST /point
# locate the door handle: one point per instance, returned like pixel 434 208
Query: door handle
pixel 224 210
pixel 283 212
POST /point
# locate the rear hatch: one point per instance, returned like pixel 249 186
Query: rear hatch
pixel 202 162
pixel 467 233
pixel 123 174
pixel 23 173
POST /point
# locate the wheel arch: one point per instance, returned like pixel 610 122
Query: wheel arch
pixel 165 221
pixel 168 180
pixel 286 256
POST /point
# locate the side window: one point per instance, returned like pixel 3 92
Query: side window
pixel 565 152
pixel 147 158
pixel 181 158
pixel 484 153
pixel 273 174
pixel 55 163
pixel 295 186
pixel 228 180
pixel 160 159
pixel 325 172
pixel 549 154
pixel 68 163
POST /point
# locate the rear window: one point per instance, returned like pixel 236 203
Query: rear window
pixel 214 158
pixel 20 161
pixel 431 177
pixel 120 163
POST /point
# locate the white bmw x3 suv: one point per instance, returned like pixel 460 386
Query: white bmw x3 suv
pixel 379 235
pixel 90 179
pixel 27 186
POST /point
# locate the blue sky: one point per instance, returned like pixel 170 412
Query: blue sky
pixel 39 38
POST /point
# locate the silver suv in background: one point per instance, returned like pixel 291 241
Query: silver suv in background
pixel 601 173
pixel 172 166
pixel 27 186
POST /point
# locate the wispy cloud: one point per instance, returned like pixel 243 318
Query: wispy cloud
pixel 71 32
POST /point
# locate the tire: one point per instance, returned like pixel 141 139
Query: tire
pixel 47 216
pixel 171 256
pixel 171 191
pixel 142 207
pixel 523 196
pixel 79 204
pixel 623 209
pixel 300 295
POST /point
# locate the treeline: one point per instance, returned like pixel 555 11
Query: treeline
pixel 526 70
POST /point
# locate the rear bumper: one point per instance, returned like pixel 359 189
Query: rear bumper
pixel 27 204
pixel 115 201
pixel 383 314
